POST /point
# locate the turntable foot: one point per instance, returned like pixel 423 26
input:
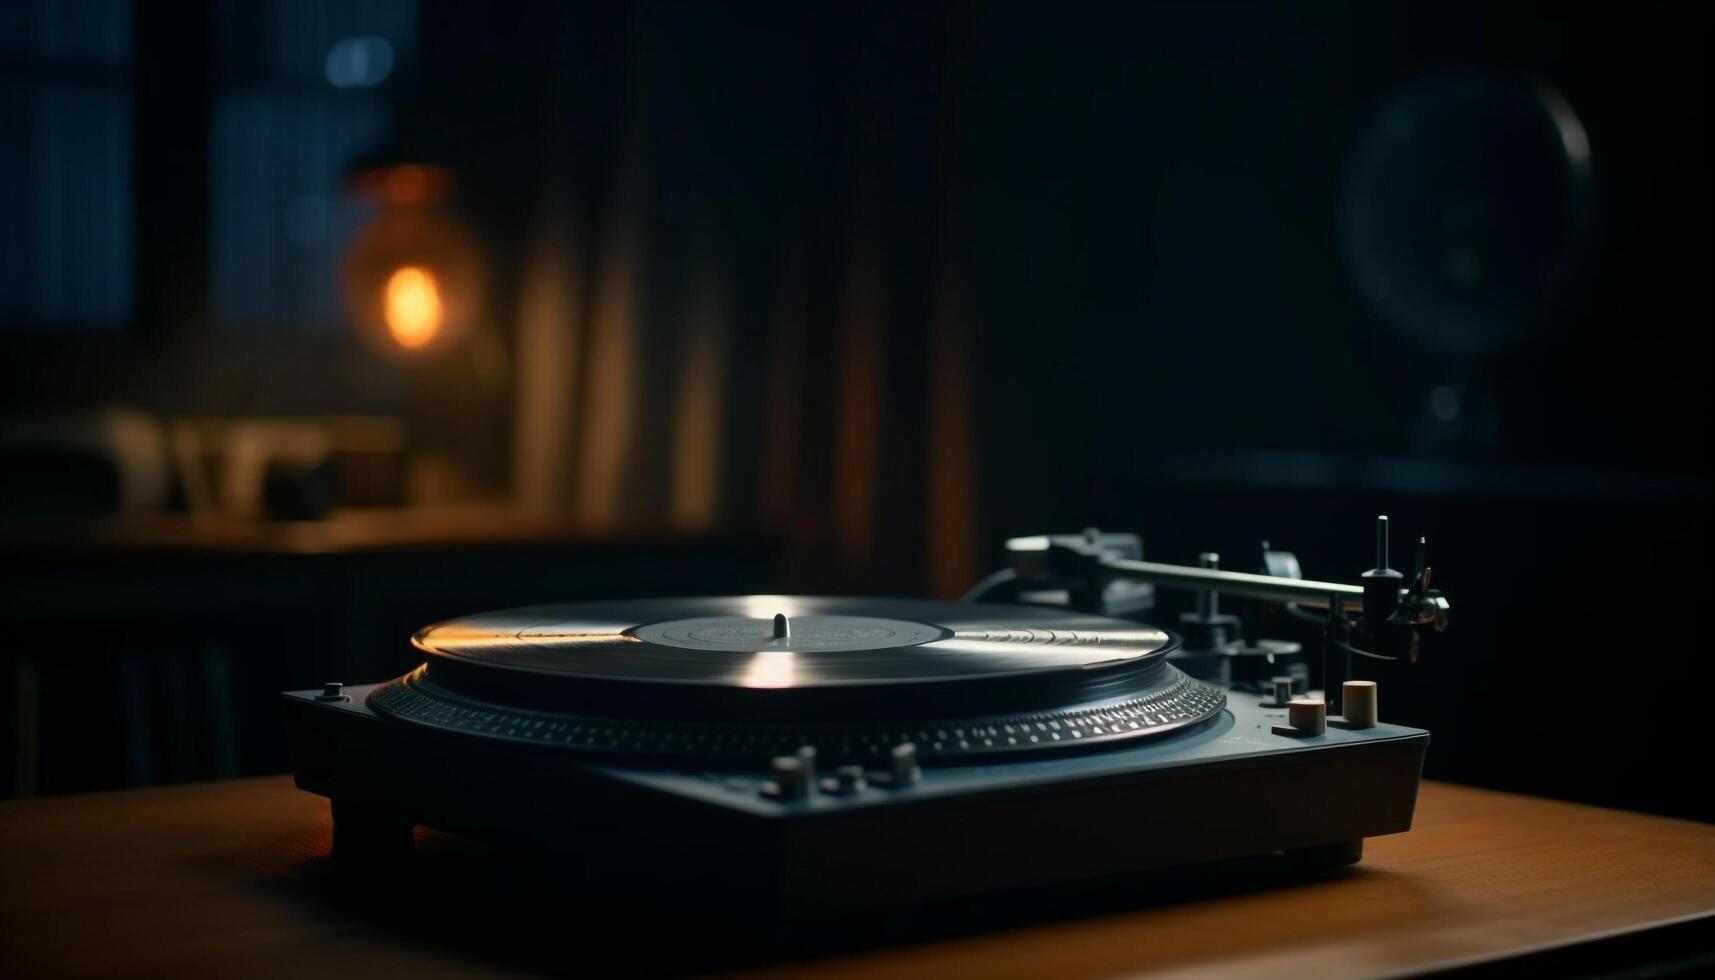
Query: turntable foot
pixel 1327 856
pixel 366 832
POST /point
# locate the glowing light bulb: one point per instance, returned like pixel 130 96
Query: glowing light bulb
pixel 412 306
pixel 411 281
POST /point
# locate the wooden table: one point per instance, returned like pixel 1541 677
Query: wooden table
pixel 232 878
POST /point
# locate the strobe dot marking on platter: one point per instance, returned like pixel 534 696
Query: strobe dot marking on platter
pixel 1187 702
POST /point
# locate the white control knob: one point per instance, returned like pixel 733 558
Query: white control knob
pixel 1359 701
pixel 1307 716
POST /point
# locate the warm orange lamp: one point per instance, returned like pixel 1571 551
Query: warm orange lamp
pixel 413 278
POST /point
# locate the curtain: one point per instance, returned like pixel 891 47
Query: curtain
pixel 740 304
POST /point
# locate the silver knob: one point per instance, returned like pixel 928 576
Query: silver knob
pixel 788 782
pixel 1208 602
pixel 904 759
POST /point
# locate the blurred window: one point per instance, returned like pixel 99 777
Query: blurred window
pixel 66 220
pixel 301 88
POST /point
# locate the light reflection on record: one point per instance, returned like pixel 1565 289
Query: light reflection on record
pixel 734 641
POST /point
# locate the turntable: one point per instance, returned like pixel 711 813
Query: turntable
pixel 832 753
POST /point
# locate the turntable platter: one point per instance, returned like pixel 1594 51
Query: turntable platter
pixel 746 675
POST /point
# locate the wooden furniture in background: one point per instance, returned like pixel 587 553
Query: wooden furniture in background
pixel 153 649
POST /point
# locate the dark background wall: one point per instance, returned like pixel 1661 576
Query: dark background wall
pixel 964 271
pixel 1171 339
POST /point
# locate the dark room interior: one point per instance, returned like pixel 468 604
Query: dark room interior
pixel 328 321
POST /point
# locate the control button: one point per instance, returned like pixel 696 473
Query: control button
pixel 847 779
pixel 1282 688
pixel 905 771
pixel 1359 698
pixel 1308 715
pixel 1304 717
pixel 788 782
pixel 807 762
pixel 333 691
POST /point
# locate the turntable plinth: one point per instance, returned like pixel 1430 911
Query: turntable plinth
pixel 756 740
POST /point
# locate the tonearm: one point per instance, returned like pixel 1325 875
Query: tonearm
pixel 1391 609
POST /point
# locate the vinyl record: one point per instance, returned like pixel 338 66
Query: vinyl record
pixel 749 674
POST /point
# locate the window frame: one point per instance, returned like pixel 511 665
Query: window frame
pixel 171 355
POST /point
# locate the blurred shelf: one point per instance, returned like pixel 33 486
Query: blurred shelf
pixel 353 530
